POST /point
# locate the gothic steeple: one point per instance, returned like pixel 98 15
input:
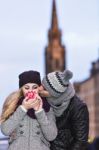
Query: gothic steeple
pixel 54 25
pixel 54 31
pixel 55 51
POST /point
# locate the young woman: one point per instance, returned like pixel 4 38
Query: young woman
pixel 28 121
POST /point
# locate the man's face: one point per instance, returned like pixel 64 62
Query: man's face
pixel 43 92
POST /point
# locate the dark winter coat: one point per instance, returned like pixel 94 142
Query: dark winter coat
pixel 73 127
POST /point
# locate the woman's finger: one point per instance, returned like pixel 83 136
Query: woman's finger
pixel 35 102
pixel 25 99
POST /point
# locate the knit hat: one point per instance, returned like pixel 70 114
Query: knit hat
pixel 29 77
pixel 57 82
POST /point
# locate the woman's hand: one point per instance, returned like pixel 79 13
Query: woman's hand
pixel 27 104
pixel 37 105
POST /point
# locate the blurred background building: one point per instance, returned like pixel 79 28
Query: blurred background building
pixel 55 51
pixel 88 90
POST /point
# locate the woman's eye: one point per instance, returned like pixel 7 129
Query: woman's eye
pixel 35 87
pixel 26 88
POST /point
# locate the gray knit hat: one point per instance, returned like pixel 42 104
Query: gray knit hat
pixel 57 82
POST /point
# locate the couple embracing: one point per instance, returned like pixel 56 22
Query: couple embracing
pixel 45 115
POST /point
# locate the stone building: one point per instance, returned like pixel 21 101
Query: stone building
pixel 55 51
pixel 88 90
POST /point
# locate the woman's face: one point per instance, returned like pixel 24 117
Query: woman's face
pixel 29 87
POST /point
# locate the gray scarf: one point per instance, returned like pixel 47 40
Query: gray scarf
pixel 59 104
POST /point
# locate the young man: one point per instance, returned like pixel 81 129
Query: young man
pixel 72 117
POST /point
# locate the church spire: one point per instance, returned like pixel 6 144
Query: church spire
pixel 54 31
pixel 54 25
pixel 55 51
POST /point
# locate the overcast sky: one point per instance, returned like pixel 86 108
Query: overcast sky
pixel 24 26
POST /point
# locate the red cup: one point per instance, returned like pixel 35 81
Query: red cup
pixel 31 95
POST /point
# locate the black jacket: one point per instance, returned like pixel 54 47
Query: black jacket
pixel 73 127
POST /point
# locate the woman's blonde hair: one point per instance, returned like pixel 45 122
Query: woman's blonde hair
pixel 10 104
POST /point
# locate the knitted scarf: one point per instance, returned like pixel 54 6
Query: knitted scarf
pixel 60 104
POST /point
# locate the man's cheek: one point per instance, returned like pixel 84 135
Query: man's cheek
pixel 46 93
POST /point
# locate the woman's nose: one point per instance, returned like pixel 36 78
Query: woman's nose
pixel 29 90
